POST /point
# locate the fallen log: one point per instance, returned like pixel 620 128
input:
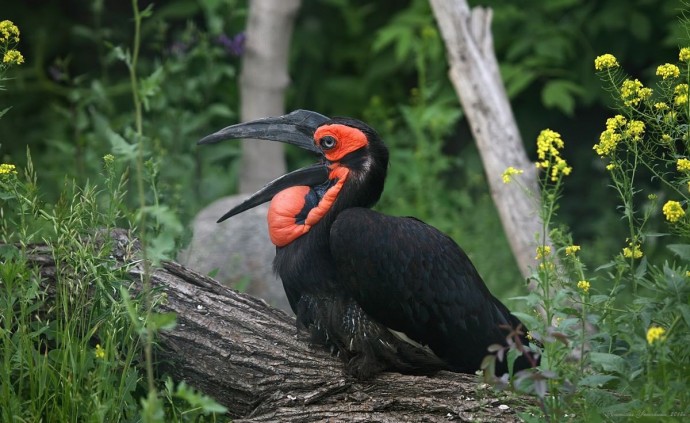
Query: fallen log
pixel 251 358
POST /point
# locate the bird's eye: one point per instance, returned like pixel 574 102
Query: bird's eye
pixel 327 142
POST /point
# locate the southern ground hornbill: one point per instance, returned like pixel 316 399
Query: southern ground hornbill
pixel 385 293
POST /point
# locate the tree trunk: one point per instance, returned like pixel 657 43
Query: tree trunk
pixel 263 82
pixel 250 357
pixel 475 75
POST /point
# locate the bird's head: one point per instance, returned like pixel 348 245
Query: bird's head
pixel 351 171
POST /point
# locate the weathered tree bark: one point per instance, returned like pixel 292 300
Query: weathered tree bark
pixel 263 82
pixel 475 75
pixel 250 357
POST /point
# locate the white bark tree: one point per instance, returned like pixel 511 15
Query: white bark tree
pixel 263 82
pixel 475 75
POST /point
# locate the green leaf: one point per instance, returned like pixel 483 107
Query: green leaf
pixel 608 362
pixel 131 309
pixel 516 79
pixel 198 400
pixel 596 381
pixel 681 250
pixel 150 86
pixel 560 94
pixel 685 311
pixel 641 268
pixel 5 110
pixel 162 321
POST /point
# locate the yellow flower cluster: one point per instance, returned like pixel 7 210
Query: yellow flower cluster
pixel 7 169
pixel 509 173
pixel 571 250
pixel 633 92
pixel 609 139
pixel 661 106
pixel 100 352
pixel 548 267
pixel 617 128
pixel 542 252
pixel 666 138
pixel 548 144
pixel 13 57
pixel 632 251
pixel 684 55
pixel 584 286
pixel 605 61
pixel 655 333
pixel 561 166
pixel 680 93
pixel 683 165
pixel 673 211
pixel 635 129
pixel 668 70
pixel 610 166
pixel 8 32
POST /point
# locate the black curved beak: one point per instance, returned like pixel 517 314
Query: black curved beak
pixel 296 128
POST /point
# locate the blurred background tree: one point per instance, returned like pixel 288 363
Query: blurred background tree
pixel 382 62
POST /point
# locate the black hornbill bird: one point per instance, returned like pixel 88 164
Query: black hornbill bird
pixel 386 293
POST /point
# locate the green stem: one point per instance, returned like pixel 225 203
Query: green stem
pixel 138 118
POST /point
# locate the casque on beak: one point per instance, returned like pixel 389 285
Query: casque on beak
pixel 296 128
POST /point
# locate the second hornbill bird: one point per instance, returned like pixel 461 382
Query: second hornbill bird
pixel 386 293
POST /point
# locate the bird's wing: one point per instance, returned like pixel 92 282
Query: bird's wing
pixel 414 279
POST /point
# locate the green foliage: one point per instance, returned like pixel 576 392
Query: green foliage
pixel 71 346
pixel 93 102
pixel 615 339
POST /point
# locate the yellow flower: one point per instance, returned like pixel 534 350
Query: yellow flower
pixel 584 286
pixel 13 57
pixel 673 211
pixel 687 274
pixel 680 94
pixel 616 122
pixel 100 352
pixel 509 173
pixel 542 252
pixel 605 61
pixel 661 106
pixel 655 333
pixel 548 142
pixel 684 54
pixel 610 166
pixel 666 139
pixel 608 140
pixel 549 267
pixel 671 116
pixel 683 165
pixel 633 92
pixel 560 167
pixel 571 250
pixel 8 169
pixel 635 129
pixel 668 70
pixel 8 32
pixel 632 251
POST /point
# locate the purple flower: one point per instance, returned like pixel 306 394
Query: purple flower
pixel 235 45
pixel 179 48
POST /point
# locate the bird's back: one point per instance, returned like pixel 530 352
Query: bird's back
pixel 413 279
